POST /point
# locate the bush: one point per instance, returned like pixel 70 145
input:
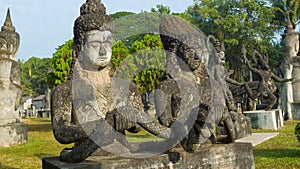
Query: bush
pixel 297 131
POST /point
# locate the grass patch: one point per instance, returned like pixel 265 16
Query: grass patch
pixel 41 143
pixel 282 151
pixel 142 136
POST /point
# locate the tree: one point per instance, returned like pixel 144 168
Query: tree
pixel 145 64
pixel 161 9
pixel 34 71
pixel 119 53
pixel 236 23
pixel 61 64
pixel 286 8
pixel 120 14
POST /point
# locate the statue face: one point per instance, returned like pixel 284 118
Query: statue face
pixel 193 55
pixel 221 57
pixel 97 50
pixel 192 59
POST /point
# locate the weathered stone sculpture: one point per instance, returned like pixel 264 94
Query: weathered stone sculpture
pixel 12 130
pixel 265 86
pixel 87 109
pixel 184 43
pixel 242 124
pixel 92 108
pixel 289 68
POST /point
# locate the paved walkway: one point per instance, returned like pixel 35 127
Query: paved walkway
pixel 257 138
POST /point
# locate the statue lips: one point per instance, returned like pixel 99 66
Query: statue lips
pixel 102 58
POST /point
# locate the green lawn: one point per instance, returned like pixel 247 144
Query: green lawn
pixel 41 143
pixel 281 152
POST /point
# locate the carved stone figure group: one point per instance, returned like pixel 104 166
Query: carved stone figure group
pixel 93 110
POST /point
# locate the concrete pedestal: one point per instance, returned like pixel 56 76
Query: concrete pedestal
pixel 13 134
pixel 226 156
pixel 261 119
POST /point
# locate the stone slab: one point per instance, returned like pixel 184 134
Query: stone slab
pixel 261 119
pixel 257 138
pixel 13 134
pixel 225 156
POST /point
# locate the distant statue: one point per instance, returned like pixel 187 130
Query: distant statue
pixel 191 61
pixel 10 72
pixel 10 86
pixel 89 109
pixel 291 38
pixel 220 49
pixel 265 87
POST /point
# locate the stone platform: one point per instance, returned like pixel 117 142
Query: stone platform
pixel 13 134
pixel 225 156
pixel 261 119
pixel 257 138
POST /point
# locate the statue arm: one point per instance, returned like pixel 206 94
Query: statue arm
pixel 278 79
pixel 64 128
pixel 232 81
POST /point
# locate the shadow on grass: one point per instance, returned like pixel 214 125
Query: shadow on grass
pixel 6 167
pixel 44 155
pixel 277 153
pixel 39 127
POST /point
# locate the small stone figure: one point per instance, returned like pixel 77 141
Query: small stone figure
pixel 191 61
pixel 265 86
pixel 220 49
pixel 89 109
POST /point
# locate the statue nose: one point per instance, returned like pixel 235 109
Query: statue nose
pixel 102 50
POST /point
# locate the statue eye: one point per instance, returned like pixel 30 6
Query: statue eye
pixel 189 53
pixel 87 108
pixel 94 44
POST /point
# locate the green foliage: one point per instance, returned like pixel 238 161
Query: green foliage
pixel 145 65
pixel 297 131
pixel 119 53
pixel 235 23
pixel 130 28
pixel 34 71
pixel 161 9
pixel 151 58
pixel 276 53
pixel 284 8
pixel 120 14
pixel 61 64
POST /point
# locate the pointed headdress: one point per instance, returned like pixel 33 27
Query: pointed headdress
pixel 92 17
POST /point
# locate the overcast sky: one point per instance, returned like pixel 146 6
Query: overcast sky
pixel 45 24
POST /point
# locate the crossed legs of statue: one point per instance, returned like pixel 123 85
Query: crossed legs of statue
pixel 203 133
pixel 102 135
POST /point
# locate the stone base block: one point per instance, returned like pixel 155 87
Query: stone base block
pixel 261 119
pixel 242 126
pixel 13 134
pixel 225 156
pixel 296 110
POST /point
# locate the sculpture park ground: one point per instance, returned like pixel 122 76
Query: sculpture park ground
pixel 281 151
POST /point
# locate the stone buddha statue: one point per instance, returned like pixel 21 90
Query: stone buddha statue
pixel 92 109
